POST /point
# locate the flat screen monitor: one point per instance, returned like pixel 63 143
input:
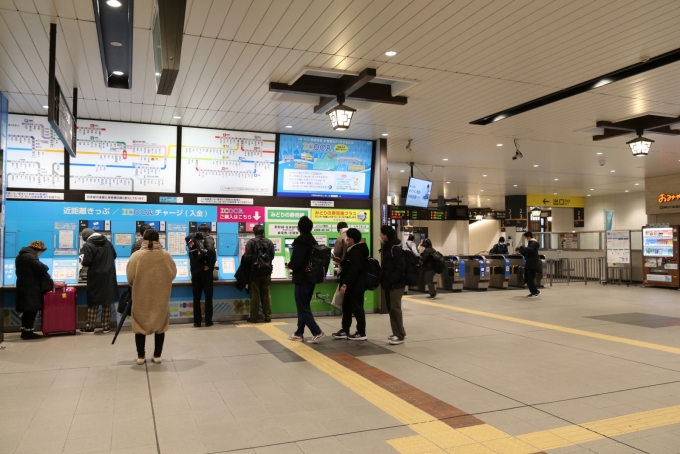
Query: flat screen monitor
pixel 324 167
pixel 331 242
pixel 418 194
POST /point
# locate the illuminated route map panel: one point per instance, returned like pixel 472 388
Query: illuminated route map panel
pixel 216 161
pixel 125 157
pixel 35 154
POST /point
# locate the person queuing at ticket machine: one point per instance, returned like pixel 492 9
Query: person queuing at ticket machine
pixel 202 259
pixel 260 255
pixel 32 282
pixel 99 256
pixel 138 244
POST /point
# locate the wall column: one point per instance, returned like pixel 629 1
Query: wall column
pixel 380 192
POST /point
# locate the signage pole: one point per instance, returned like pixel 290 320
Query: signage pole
pixel 52 73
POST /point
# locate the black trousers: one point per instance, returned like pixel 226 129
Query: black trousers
pixel 353 304
pixel 140 341
pixel 531 281
pixel 202 282
pixel 28 319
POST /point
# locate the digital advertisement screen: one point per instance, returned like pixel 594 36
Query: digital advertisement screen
pixel 324 167
pixel 418 194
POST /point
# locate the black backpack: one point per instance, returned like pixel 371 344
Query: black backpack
pixel 412 275
pixel 261 261
pixel 438 262
pixel 372 273
pixel 316 269
pixel 500 248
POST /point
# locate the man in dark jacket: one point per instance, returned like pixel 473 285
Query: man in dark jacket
pixel 260 254
pixel 304 290
pixel 500 247
pixel 202 259
pixel 392 280
pixel 352 287
pixel 98 255
pixel 532 263
pixel 137 245
pixel 31 274
pixel 428 267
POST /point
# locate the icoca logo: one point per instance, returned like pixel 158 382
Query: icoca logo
pixel 136 212
pixel 231 210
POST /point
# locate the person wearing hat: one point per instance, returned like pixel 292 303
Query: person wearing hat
pixel 32 280
pixel 500 247
pixel 98 255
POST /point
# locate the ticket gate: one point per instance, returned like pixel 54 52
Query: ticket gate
pixel 499 271
pixel 515 261
pixel 453 277
pixel 476 272
pixel 541 272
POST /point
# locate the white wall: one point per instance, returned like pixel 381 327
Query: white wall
pixel 629 213
pixel 483 235
pixel 448 237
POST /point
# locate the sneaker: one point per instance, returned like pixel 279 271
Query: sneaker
pixel 251 320
pixel 87 330
pixel 396 341
pixel 342 334
pixel 29 335
pixel 430 297
pixel 296 338
pixel 316 338
pixel 357 337
pixel 532 295
pixel 157 359
pixel 141 360
pixel 392 337
pixel 106 330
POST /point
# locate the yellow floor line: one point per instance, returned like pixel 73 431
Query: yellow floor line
pixel 256 325
pixel 621 340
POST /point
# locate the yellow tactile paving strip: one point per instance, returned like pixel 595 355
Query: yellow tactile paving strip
pixel 580 332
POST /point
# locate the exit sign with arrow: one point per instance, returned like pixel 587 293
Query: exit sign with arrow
pixel 554 201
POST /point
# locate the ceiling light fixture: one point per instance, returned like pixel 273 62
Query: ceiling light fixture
pixel 289 126
pixel 536 213
pixel 554 193
pixel 599 152
pixel 592 189
pixel 158 74
pixel 390 53
pixel 385 134
pixel 114 3
pixel 177 117
pixel 499 144
pixel 483 175
pixel 514 185
pixel 626 190
pixel 340 116
pixel 448 182
pixel 557 179
pixel 612 171
pixel 640 146
pixel 117 73
pixel 445 159
pixel 637 184
pixel 116 44
pixel 535 165
pixel 402 171
pixel 46 107
pixel 481 190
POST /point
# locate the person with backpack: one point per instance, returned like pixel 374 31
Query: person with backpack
pixel 299 263
pixel 99 256
pixel 202 259
pixel 532 263
pixel 428 261
pixel 392 280
pixel 410 245
pixel 352 286
pixel 260 253
pixel 500 247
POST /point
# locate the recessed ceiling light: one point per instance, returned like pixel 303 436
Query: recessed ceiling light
pixel 177 117
pixel 599 152
pixel 637 184
pixel 116 44
pixel 401 171
pixel 626 190
pixel 446 159
pixel 290 126
pixel 514 185
pixel 588 195
pixel 390 53
pixel 158 74
pixel 117 73
pixel 482 190
pixel 557 179
pixel 448 182
pixel 46 107
pixel 535 165
pixel 612 171
pixel 488 199
pixel 385 134
pixel 483 175
pixel 554 193
pixel 499 144
pixel 114 3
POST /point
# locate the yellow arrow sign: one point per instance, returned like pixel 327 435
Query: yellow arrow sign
pixel 555 201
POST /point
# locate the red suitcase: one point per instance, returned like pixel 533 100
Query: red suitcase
pixel 59 310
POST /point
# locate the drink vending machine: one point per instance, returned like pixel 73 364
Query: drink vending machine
pixel 660 256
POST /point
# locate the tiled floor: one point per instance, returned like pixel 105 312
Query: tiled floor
pixel 589 360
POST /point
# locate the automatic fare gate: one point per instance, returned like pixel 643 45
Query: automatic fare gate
pixel 499 271
pixel 476 272
pixel 453 277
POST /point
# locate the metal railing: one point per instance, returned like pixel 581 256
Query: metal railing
pixel 568 270
pixel 580 241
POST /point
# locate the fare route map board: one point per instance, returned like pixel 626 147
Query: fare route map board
pixel 128 157
pixel 35 154
pixel 216 161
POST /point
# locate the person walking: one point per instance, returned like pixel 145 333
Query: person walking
pixel 500 247
pixel 410 245
pixel 428 267
pixel 150 273
pixel 260 252
pixel 532 263
pixel 98 255
pixel 138 244
pixel 32 282
pixel 392 281
pixel 353 288
pixel 202 261
pixel 304 290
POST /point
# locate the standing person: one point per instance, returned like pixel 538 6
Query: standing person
pixel 339 251
pixel 428 267
pixel 410 245
pixel 304 290
pixel 32 278
pixel 353 288
pixel 500 247
pixel 392 280
pixel 138 244
pixel 202 260
pixel 532 263
pixel 150 273
pixel 260 251
pixel 98 255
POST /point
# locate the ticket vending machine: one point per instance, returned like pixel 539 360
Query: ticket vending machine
pixel 101 227
pixel 158 226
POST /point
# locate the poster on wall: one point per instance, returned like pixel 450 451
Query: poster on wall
pixel 125 157
pixel 324 167
pixel 227 162
pixel 618 248
pixel 35 154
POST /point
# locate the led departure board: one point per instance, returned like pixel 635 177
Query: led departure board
pixel 449 213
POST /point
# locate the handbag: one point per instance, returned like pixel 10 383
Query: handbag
pixel 46 283
pixel 125 298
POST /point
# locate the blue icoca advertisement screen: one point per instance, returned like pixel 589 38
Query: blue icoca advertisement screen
pixel 324 167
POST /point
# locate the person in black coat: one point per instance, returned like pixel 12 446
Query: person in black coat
pixel 98 255
pixel 532 263
pixel 202 262
pixel 352 287
pixel 304 290
pixel 393 280
pixel 428 267
pixel 32 282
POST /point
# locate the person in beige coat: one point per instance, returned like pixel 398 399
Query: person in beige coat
pixel 150 272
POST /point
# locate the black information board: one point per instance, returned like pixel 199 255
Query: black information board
pixel 449 213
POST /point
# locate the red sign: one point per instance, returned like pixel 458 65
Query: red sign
pixel 247 214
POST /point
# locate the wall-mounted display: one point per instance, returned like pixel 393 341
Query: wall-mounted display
pixel 35 154
pixel 324 167
pixel 126 157
pixel 418 194
pixel 227 162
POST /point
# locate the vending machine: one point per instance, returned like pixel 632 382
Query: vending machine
pixel 660 256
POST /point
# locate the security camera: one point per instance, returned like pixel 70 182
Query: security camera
pixel 408 145
pixel 518 155
pixel 602 161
